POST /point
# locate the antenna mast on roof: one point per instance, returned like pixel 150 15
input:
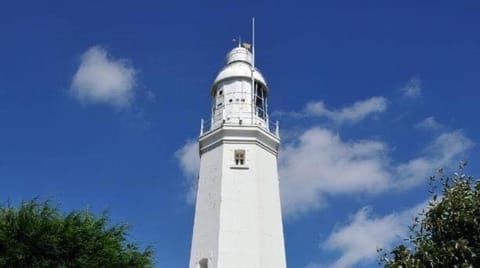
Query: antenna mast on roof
pixel 253 42
pixel 253 69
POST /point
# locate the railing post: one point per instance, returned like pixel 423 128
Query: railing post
pixel 266 111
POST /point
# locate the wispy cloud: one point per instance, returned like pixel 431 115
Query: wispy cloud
pixel 429 123
pixel 321 163
pixel 353 113
pixel 102 79
pixel 447 148
pixel 318 163
pixel 413 88
pixel 151 96
pixel 364 233
pixel 189 162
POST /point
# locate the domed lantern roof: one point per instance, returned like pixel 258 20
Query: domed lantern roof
pixel 238 65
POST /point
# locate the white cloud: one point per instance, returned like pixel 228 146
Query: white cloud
pixel 413 88
pixel 102 79
pixel 364 233
pixel 320 164
pixel 353 113
pixel 429 123
pixel 189 161
pixel 443 151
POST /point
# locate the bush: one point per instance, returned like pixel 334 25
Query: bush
pixel 37 234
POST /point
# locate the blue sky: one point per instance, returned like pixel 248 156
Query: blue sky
pixel 100 102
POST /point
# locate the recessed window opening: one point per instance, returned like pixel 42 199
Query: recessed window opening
pixel 239 157
pixel 260 101
pixel 230 100
pixel 220 92
pixel 219 104
pixel 203 263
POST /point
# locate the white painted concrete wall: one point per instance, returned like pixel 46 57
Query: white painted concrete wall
pixel 238 219
pixel 207 209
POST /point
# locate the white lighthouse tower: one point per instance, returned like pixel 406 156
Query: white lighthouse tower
pixel 238 221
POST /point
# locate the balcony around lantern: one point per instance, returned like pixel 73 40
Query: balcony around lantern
pixel 207 126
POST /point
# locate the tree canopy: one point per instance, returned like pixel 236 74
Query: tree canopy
pixel 38 234
pixel 447 232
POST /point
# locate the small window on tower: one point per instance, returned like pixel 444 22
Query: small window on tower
pixel 220 92
pixel 239 157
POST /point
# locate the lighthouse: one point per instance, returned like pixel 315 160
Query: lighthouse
pixel 238 221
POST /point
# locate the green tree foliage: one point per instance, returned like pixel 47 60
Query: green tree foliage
pixel 447 232
pixel 38 234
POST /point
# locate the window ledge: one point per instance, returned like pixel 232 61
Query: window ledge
pixel 239 167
